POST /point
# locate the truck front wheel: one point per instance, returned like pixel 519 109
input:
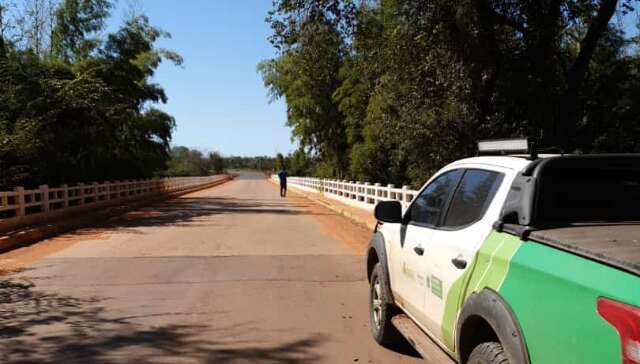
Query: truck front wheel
pixel 488 353
pixel 381 309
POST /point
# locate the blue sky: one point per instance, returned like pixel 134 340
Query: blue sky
pixel 217 97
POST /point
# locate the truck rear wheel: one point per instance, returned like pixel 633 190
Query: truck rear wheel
pixel 381 309
pixel 488 353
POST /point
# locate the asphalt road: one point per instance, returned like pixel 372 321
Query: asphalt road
pixel 232 274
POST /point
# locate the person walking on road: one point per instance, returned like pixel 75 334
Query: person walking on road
pixel 282 175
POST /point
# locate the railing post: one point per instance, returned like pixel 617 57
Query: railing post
pixel 65 196
pixel 107 188
pixel 44 190
pixel 376 191
pixel 22 210
pixel 366 192
pixel 115 188
pixel 96 196
pixel 404 195
pixel 81 193
pixel 389 188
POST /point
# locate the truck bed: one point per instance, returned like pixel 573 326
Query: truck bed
pixel 617 245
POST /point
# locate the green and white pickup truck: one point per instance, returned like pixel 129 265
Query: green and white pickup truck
pixel 505 259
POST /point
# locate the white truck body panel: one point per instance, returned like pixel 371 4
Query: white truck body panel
pixel 420 283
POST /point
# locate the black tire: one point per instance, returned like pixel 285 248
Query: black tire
pixel 382 329
pixel 488 353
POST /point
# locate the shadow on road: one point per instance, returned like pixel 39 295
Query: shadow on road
pixel 187 211
pixel 43 327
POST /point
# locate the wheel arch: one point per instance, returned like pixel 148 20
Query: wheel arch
pixel 486 317
pixel 377 253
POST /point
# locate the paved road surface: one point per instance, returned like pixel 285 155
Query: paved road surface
pixel 232 274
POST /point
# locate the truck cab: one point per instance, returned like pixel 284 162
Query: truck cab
pixel 446 265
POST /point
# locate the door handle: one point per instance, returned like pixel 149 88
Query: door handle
pixel 419 250
pixel 459 263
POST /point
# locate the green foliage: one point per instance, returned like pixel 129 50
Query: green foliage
pixel 299 163
pixel 83 112
pixel 190 162
pixel 280 162
pixel 262 163
pixel 306 75
pixel 76 22
pixel 412 85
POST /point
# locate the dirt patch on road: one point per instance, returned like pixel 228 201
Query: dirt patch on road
pixel 355 236
pixel 19 258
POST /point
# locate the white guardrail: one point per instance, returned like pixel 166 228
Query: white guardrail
pixel 25 206
pixel 360 194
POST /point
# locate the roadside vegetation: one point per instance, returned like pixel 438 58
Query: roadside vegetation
pixel 260 163
pixel 77 103
pixel 185 162
pixel 389 91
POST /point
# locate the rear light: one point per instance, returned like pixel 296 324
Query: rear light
pixel 626 320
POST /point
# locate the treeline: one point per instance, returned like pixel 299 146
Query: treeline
pixel 259 163
pixel 389 91
pixel 297 163
pixel 185 162
pixel 76 103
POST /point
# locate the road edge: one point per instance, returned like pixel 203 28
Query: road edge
pixel 33 234
pixel 335 206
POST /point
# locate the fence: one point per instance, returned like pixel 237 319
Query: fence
pixel 27 206
pixel 360 194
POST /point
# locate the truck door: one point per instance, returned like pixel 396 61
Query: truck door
pixel 464 226
pixel 416 232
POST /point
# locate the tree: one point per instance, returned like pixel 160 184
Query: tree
pixel 83 113
pixel 216 163
pixel 416 83
pixel 306 32
pixel 187 162
pixel 76 23
pixel 280 162
pixel 299 163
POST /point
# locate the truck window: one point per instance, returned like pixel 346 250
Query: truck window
pixel 428 206
pixel 473 197
pixel 590 194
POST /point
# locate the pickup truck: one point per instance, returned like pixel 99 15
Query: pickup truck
pixel 509 259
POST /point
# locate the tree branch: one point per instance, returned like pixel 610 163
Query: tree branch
pixel 590 41
pixel 505 20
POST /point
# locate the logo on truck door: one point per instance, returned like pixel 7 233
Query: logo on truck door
pixel 436 286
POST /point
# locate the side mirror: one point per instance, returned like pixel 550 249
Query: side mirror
pixel 388 211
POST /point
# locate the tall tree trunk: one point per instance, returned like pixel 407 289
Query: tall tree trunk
pixel 486 59
pixel 567 125
pixel 541 42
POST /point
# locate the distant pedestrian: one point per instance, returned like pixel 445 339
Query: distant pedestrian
pixel 282 175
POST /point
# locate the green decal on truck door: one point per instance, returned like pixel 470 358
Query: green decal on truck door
pixel 488 269
pixel 436 286
pixel 553 295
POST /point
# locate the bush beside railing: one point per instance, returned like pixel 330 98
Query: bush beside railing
pixel 25 206
pixel 361 194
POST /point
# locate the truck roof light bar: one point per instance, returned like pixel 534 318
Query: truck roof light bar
pixel 508 146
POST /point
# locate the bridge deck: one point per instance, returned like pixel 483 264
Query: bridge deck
pixel 229 274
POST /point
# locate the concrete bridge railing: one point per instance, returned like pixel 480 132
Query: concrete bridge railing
pixel 22 206
pixel 359 194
